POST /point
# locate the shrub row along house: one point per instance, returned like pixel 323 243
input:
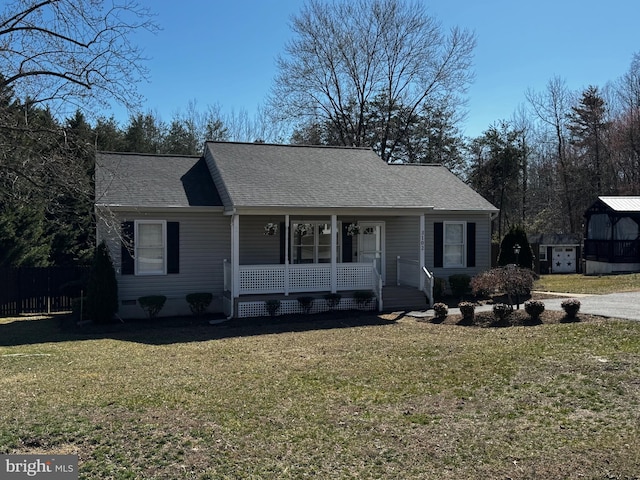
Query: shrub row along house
pixel 250 222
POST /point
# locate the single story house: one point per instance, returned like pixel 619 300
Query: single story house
pixel 612 235
pixel 556 252
pixel 249 222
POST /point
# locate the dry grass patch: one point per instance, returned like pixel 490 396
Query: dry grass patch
pixel 378 399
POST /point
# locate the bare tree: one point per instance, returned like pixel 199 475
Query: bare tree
pixel 69 53
pixel 347 56
pixel 552 108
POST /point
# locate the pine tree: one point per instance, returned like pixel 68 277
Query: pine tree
pixel 102 289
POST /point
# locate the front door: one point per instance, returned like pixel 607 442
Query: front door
pixel 371 245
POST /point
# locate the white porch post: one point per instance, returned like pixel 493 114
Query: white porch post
pixel 235 256
pixel 286 254
pixel 422 252
pixel 334 253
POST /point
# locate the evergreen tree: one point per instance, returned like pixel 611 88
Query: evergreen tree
pixel 508 255
pixel 102 288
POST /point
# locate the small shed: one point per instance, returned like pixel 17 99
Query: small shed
pixel 612 235
pixel 556 252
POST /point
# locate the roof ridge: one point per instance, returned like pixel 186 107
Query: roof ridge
pixel 146 154
pixel 294 145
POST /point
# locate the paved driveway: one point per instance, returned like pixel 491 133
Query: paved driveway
pixel 616 305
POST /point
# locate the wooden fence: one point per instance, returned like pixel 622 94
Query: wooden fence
pixel 29 290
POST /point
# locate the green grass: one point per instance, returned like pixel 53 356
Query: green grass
pixel 574 283
pixel 380 399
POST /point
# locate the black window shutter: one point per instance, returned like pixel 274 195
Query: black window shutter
pixel 347 244
pixel 127 264
pixel 173 247
pixel 438 247
pixel 471 244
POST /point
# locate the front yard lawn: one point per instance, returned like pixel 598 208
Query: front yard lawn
pixel 383 398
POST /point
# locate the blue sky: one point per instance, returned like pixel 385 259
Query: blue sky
pixel 223 52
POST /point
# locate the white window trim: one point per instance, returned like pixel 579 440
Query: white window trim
pixel 316 223
pixel 464 245
pixel 163 223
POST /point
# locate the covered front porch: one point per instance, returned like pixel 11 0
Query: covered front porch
pixel 316 256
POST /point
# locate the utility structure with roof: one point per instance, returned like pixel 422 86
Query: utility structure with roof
pixel 612 235
pixel 252 222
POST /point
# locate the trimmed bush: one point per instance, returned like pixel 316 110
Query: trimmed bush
pixel 102 288
pixel 460 284
pixel 332 299
pixel 501 312
pixel 306 303
pixel 272 307
pixel 571 307
pixel 152 304
pixel 534 309
pixel 363 297
pixel 468 311
pixel 441 310
pixel 199 302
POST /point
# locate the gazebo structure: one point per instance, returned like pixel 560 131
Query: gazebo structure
pixel 612 235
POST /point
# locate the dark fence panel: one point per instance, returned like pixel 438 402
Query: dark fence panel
pixel 40 289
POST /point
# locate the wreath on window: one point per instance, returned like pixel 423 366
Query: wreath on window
pixel 353 229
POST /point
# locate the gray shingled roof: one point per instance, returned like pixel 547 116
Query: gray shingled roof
pixel 126 179
pixel 257 175
pixel 254 175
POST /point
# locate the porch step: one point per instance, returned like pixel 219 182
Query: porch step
pixel 403 298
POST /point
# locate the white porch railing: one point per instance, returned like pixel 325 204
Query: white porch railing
pixel 428 285
pixel 408 273
pixel 316 277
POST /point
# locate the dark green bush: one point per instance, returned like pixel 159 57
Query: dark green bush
pixel 102 287
pixel 439 289
pixel 152 304
pixel 571 307
pixel 501 312
pixel 306 303
pixel 467 310
pixel 534 309
pixel 272 307
pixel 460 284
pixel 199 302
pixel 332 299
pixel 363 297
pixel 441 310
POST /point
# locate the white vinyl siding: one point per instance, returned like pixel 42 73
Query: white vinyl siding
pixel 205 242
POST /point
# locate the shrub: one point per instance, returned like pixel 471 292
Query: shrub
pixel 152 304
pixel 512 281
pixel 439 287
pixel 198 302
pixel 506 256
pixel 102 287
pixel 571 307
pixel 502 311
pixel 363 297
pixel 467 310
pixel 332 299
pixel 441 310
pixel 460 284
pixel 272 306
pixel 534 309
pixel 306 303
